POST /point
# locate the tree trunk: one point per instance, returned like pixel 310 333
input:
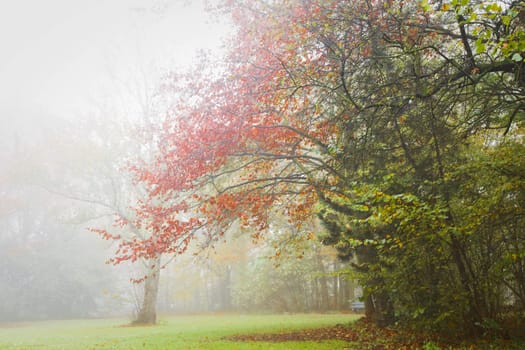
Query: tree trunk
pixel 378 306
pixel 148 311
pixel 323 297
pixel 343 293
pixel 335 286
pixel 225 289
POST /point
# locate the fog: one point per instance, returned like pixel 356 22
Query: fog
pixel 78 80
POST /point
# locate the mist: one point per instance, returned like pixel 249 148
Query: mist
pixel 80 87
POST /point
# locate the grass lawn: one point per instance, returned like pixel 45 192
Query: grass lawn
pixel 174 332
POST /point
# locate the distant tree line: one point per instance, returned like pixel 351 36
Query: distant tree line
pixel 242 277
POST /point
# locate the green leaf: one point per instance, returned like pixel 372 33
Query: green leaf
pixel 480 46
pixel 425 5
pixel 494 7
pixel 517 57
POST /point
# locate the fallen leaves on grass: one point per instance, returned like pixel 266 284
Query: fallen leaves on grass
pixel 366 334
pixel 337 332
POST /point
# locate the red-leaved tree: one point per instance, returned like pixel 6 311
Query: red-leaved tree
pixel 248 138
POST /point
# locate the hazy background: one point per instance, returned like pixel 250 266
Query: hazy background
pixel 78 81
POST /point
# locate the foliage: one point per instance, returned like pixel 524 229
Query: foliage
pixel 288 273
pixel 399 122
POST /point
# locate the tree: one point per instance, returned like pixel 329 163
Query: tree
pixel 93 164
pixel 107 188
pixel 51 267
pixel 291 272
pixel 362 111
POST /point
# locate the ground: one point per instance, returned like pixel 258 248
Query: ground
pixel 365 335
pixel 230 332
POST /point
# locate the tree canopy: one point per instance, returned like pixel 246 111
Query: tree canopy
pixel 399 123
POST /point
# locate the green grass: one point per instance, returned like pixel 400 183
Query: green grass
pixel 178 332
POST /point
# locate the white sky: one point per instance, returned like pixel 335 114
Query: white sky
pixel 56 54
